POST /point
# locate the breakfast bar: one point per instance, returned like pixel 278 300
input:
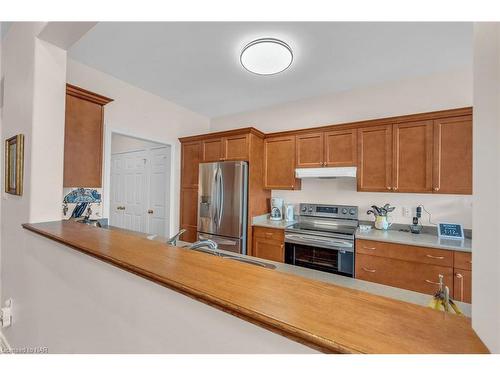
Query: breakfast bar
pixel 326 317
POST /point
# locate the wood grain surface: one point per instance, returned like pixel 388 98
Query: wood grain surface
pixel 330 318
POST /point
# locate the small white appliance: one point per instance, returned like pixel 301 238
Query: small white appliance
pixel 276 209
pixel 289 212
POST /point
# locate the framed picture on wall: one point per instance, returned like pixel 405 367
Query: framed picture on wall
pixel 14 164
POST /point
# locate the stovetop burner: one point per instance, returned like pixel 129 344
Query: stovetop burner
pixel 326 220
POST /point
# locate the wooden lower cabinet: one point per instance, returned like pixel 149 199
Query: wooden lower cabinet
pixel 418 277
pixel 462 277
pixel 414 268
pixel 189 213
pixel 269 244
pixel 462 282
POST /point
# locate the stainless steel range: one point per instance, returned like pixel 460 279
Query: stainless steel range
pixel 323 238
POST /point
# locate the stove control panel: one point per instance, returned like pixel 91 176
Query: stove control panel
pixel 325 210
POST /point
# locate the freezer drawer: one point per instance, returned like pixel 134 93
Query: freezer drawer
pixel 236 245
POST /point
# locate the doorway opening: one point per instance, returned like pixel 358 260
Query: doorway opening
pixel 140 176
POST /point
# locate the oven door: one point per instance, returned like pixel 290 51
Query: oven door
pixel 320 253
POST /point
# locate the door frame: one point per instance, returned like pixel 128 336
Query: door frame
pixel 106 186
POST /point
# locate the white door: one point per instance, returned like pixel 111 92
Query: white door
pixel 129 179
pixel 158 190
pixel 139 190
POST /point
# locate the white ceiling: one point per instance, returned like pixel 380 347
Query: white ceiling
pixel 196 64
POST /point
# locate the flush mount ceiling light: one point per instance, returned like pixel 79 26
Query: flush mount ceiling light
pixel 266 56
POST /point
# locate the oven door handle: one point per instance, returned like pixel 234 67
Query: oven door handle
pixel 307 240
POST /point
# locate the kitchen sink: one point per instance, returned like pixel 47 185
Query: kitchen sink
pixel 251 261
pixel 233 257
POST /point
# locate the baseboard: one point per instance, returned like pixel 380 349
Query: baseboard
pixel 4 344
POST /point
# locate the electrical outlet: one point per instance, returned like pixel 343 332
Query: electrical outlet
pixel 406 212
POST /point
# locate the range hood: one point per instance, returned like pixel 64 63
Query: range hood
pixel 330 172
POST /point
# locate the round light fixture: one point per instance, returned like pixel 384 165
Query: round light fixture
pixel 266 56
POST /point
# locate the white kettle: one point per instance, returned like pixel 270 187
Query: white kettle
pixel 289 214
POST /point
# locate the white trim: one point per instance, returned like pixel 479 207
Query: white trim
pixel 4 344
pixel 106 183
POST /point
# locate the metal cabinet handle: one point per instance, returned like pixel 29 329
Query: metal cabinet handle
pixel 434 257
pixel 150 211
pixel 369 248
pixel 431 282
pixel 120 207
pixel 461 277
pixel 368 270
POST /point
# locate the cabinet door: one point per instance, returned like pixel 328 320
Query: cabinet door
pixel 375 158
pixel 279 163
pixel 462 287
pixel 83 143
pixel 190 159
pixel 212 150
pixel 340 148
pixel 309 150
pixel 419 277
pixel 269 249
pixel 412 157
pixel 189 213
pixel 453 155
pixel 235 147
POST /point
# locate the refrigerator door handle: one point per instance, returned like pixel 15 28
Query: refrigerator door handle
pixel 216 196
pixel 221 196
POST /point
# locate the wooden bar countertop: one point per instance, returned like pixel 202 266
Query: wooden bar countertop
pixel 327 317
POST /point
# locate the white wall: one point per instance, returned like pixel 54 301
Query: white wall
pixel 423 94
pixel 67 301
pixel 451 208
pixel 486 244
pixel 84 305
pixel 48 129
pixel 138 113
pixel 122 143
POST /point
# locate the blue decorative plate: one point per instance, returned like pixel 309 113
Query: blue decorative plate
pixel 83 195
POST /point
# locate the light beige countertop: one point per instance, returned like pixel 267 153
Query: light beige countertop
pixel 265 221
pixel 422 239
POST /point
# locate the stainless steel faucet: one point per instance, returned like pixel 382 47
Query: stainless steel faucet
pixel 173 240
pixel 204 243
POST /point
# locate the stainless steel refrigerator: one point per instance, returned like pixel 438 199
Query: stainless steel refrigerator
pixel 222 210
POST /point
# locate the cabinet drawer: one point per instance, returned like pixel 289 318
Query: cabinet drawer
pixel 463 260
pixel 418 277
pixel 418 254
pixel 269 233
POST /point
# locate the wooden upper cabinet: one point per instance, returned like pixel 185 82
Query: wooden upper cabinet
pixel 310 150
pixel 453 155
pixel 412 157
pixel 83 137
pixel 233 147
pixel 190 159
pixel 236 147
pixel 279 163
pixel 340 148
pixel 375 158
pixel 211 149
